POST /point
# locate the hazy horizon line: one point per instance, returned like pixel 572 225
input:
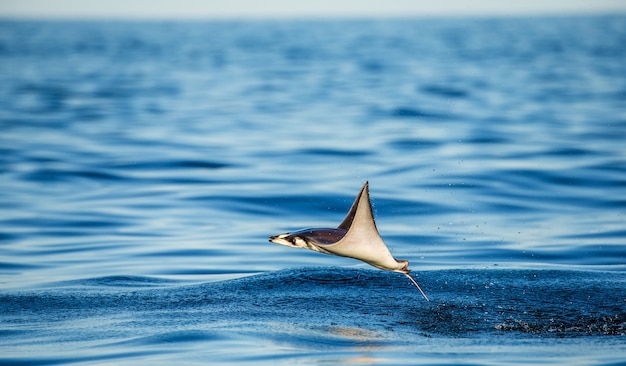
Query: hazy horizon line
pixel 303 16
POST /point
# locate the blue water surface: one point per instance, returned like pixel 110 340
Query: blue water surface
pixel 144 164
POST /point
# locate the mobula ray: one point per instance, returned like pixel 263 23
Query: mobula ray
pixel 356 237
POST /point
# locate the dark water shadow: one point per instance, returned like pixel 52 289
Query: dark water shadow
pixel 559 303
pixel 343 314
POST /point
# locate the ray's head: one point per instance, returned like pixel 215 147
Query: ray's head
pixel 289 240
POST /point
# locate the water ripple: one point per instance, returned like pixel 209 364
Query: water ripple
pixel 144 164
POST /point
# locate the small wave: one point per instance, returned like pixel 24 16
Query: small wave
pixel 62 175
pixel 335 152
pixel 413 143
pixel 446 91
pixel 172 164
pixel 165 338
pixel 11 266
pixel 118 281
pixel 407 112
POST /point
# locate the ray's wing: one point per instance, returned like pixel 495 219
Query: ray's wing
pixel 347 221
pixel 362 241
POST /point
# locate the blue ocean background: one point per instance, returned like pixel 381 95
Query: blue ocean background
pixel 144 163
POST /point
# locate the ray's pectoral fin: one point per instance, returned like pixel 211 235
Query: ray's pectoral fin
pixel 362 240
pixel 356 237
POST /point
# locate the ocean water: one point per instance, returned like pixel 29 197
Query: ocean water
pixel 144 164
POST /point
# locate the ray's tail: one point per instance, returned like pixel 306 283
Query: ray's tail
pixel 416 285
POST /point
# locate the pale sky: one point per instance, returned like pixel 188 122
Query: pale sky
pixel 185 9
